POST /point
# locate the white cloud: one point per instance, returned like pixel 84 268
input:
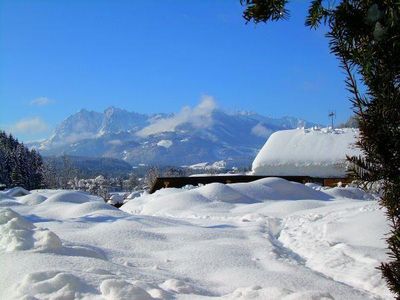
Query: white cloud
pixel 260 130
pixel 199 117
pixel 76 137
pixel 41 101
pixel 30 126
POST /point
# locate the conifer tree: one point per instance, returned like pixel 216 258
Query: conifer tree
pixel 3 165
pixel 365 36
pixel 19 166
pixel 39 169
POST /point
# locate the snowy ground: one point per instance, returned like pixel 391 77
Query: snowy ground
pixel 270 239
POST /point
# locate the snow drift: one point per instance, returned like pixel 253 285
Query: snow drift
pixel 269 239
pixel 17 233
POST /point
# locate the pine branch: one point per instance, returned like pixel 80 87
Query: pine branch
pixel 352 87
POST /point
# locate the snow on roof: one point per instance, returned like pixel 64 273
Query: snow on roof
pixel 307 152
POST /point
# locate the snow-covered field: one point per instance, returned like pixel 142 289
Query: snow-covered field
pixel 270 239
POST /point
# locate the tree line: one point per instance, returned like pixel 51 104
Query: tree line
pixel 19 166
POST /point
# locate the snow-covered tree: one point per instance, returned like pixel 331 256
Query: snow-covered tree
pixel 19 166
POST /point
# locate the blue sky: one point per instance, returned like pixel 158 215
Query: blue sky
pixel 57 57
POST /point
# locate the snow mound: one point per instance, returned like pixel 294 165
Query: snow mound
pixel 350 192
pixel 178 286
pixel 275 293
pixel 50 285
pixel 17 233
pixel 62 205
pixel 83 211
pixel 223 193
pixel 8 202
pixel 32 199
pixel 222 196
pixel 281 189
pixel 307 152
pixel 114 289
pixel 158 205
pixel 86 209
pixel 72 197
pixel 14 192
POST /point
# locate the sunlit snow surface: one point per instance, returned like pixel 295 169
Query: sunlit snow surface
pixel 270 239
pixel 316 152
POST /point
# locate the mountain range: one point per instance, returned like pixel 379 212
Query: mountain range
pixel 192 136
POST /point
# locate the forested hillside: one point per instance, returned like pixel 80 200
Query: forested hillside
pixel 19 166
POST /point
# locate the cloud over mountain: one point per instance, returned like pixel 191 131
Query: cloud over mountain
pixel 32 125
pixel 198 117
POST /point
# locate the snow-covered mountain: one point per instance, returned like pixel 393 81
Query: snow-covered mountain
pixel 194 135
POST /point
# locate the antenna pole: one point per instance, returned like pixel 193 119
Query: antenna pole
pixel 332 115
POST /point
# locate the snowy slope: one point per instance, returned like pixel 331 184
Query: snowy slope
pixel 270 239
pixel 311 152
